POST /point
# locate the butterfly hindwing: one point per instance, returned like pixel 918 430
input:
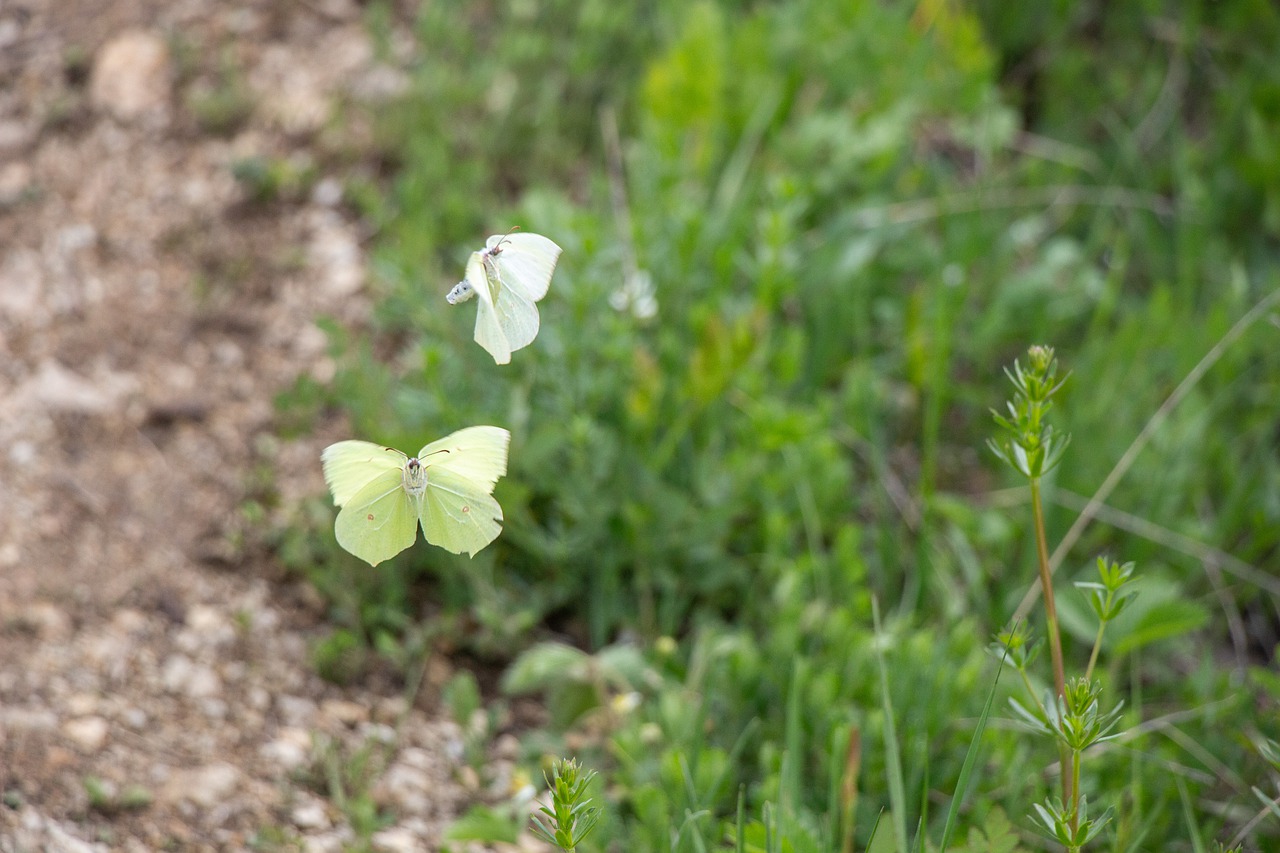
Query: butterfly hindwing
pixel 458 514
pixel 489 333
pixel 380 520
pixel 517 315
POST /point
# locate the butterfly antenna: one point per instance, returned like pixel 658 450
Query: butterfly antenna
pixel 434 452
pixel 498 248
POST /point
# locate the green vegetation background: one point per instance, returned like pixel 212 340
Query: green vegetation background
pixel 849 216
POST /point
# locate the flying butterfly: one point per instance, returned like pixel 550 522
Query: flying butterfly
pixel 509 275
pixel 447 489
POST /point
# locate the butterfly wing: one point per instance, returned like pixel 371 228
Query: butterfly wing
pixel 458 511
pixel 489 330
pixel 380 520
pixel 526 262
pixel 477 453
pixel 521 265
pixel 457 514
pixel 350 465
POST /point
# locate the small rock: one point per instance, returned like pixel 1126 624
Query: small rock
pixel 82 705
pixel 329 842
pixel 16 136
pixel 390 709
pixel 310 813
pixel 28 719
pixel 380 732
pixel 507 747
pixel 207 786
pixel 210 625
pixel 406 786
pixel 258 698
pixel 290 750
pixel 327 192
pixel 397 839
pixel 468 778
pixel 132 75
pixel 334 254
pixel 15 179
pixel 295 710
pixel 60 390
pixel 44 833
pixel 22 293
pixel 213 708
pixel 182 675
pixel 88 733
pixel 345 712
pixel 129 621
pixel 50 621
pixel 134 718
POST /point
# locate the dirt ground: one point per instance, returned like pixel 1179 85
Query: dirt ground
pixel 155 685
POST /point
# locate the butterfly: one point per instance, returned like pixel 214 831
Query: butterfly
pixel 510 274
pixel 447 488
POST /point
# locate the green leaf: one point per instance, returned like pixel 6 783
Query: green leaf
pixel 543 666
pixel 1160 622
pixel 482 823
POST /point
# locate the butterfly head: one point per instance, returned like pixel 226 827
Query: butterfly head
pixel 496 249
pixel 415 477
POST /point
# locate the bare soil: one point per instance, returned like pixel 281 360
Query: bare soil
pixel 155 684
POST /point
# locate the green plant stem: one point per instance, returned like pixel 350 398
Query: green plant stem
pixel 1097 647
pixel 1031 691
pixel 1075 786
pixel 1050 608
pixel 1051 623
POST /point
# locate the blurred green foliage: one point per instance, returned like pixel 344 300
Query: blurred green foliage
pixel 851 215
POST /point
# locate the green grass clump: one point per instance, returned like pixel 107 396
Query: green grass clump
pixel 800 239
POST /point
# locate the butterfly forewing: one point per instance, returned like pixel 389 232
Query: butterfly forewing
pixel 525 262
pixel 477 454
pixel 380 520
pixel 350 465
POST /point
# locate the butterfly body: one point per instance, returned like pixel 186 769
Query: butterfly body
pixel 446 489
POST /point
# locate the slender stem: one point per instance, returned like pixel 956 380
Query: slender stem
pixel 1097 646
pixel 1051 622
pixel 1075 790
pixel 1031 691
pixel 1050 608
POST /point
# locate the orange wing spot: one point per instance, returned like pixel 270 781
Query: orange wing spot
pixel 466 509
pixel 369 517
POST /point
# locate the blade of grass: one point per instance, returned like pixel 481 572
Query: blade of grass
pixel 790 790
pixel 893 762
pixel 739 840
pixel 971 756
pixel 1188 811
